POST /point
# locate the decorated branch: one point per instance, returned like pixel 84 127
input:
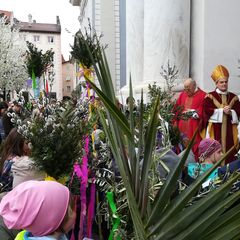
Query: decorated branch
pixel 56 135
pixel 39 64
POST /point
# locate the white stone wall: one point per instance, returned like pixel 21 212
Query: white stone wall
pixel 157 31
pixel 216 40
pixel 108 23
pixel 104 18
pixel 166 37
pixel 135 40
pixel 197 42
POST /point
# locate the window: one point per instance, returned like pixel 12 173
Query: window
pixel 50 39
pixel 24 37
pixel 68 78
pixel 68 88
pixel 36 38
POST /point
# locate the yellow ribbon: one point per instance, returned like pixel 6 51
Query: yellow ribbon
pixel 20 235
pixel 61 180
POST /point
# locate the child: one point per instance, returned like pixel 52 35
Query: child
pixel 43 208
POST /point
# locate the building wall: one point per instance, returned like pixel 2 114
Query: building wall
pixel 194 35
pixel 216 40
pixel 68 78
pixel 104 18
pixel 157 32
pixel 134 43
pixel 197 41
pixel 56 47
pixel 109 26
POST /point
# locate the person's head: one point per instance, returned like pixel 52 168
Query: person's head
pixel 14 145
pixel 40 207
pixel 209 151
pixel 184 139
pixel 17 107
pixel 130 99
pixel 220 76
pixel 3 107
pixel 190 86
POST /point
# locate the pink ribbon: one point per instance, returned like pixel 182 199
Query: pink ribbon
pixel 82 173
pixel 88 89
pixel 83 189
pixel 91 208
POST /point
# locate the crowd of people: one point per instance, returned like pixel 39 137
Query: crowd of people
pixel 26 199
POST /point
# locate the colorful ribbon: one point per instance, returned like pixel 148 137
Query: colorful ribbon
pixel 83 190
pixel 87 213
pixel 91 209
pixel 115 219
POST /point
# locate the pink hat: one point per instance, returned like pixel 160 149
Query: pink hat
pixel 207 147
pixel 36 206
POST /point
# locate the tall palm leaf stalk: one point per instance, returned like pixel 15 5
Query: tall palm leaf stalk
pixel 214 216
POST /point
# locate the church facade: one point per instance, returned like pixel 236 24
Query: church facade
pixel 143 36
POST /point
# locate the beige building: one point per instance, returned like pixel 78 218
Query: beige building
pixel 68 77
pixel 46 36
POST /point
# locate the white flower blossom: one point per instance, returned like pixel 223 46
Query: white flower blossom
pixel 13 73
pixel 19 121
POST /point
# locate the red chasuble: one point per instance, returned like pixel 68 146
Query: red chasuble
pixel 188 126
pixel 225 132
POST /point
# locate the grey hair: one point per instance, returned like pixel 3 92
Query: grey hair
pixel 192 81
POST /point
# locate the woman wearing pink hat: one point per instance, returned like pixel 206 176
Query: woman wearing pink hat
pixel 43 208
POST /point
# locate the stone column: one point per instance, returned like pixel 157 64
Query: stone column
pixel 157 31
pixel 134 40
pixel 166 37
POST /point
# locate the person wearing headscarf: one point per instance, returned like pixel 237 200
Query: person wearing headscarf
pixel 44 209
pixel 210 152
pixel 221 112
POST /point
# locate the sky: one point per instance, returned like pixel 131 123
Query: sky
pixel 45 11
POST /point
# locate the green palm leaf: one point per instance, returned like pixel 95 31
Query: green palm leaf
pixel 115 112
pixel 202 224
pixel 181 200
pixel 162 198
pixel 188 216
pixel 150 137
pixel 224 220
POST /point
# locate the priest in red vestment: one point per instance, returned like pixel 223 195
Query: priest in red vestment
pixel 221 112
pixel 191 100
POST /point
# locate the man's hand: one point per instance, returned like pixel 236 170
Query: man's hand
pixel 227 110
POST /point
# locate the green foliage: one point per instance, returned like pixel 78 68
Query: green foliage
pixel 168 110
pixel 76 93
pixel 79 49
pixel 38 61
pixel 56 138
